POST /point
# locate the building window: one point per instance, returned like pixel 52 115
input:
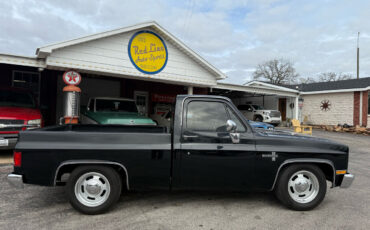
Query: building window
pixel 27 80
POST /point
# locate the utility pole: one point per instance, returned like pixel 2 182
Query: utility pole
pixel 358 55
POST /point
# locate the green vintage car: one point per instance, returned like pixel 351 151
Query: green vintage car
pixel 104 110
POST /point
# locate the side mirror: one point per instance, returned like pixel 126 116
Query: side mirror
pixel 230 126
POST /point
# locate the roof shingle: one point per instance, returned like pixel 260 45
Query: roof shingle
pixel 332 85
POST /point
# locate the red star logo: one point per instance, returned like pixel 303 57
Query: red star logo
pixel 72 77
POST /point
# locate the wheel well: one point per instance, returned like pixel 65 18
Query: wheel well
pixel 326 168
pixel 66 170
pixel 258 115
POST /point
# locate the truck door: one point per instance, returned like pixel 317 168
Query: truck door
pixel 209 159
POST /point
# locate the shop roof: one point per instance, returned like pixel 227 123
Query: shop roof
pixel 333 86
pixel 21 60
pixel 258 88
pixel 44 51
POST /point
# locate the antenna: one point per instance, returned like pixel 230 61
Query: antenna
pixel 358 55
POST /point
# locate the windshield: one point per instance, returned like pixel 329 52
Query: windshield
pixel 111 105
pixel 17 99
pixel 257 107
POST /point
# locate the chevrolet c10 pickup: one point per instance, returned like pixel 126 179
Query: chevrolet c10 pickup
pixel 209 146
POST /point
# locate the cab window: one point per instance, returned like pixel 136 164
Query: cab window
pixel 206 116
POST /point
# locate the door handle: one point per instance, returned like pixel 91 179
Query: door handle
pixel 189 136
pixel 188 153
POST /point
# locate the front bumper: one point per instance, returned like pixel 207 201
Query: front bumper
pixel 347 180
pixel 15 180
pixel 8 141
pixel 272 120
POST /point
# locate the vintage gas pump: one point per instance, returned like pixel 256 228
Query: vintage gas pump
pixel 71 97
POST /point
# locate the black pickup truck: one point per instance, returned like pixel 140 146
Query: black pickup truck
pixel 209 146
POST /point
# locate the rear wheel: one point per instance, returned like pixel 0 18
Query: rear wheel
pixel 301 187
pixel 93 189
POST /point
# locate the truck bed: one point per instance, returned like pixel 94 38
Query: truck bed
pixel 106 128
pixel 96 137
pixel 143 150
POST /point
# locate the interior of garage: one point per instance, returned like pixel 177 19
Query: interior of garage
pixel 47 85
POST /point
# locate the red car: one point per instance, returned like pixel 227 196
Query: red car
pixel 18 111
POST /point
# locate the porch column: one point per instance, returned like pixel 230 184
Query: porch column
pixel 296 108
pixel 190 90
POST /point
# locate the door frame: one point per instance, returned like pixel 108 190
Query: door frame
pixel 202 161
pixel 282 110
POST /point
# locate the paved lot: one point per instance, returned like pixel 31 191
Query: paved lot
pixel 47 208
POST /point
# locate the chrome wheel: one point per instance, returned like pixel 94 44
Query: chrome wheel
pixel 303 186
pixel 92 189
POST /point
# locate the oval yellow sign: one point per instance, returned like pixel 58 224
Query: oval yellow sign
pixel 147 52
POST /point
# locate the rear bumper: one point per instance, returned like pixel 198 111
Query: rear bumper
pixel 347 180
pixel 8 141
pixel 15 180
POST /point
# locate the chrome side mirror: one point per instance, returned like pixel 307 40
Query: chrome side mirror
pixel 230 126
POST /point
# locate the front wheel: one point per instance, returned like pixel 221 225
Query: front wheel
pixel 93 189
pixel 301 187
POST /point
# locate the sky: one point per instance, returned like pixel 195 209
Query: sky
pixel 234 36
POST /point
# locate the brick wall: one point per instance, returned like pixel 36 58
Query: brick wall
pixel 356 108
pixel 364 108
pixel 341 109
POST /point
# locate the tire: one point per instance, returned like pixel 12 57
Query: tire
pixel 93 189
pixel 258 118
pixel 301 187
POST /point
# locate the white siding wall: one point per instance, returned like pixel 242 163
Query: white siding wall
pixel 341 110
pixel 110 55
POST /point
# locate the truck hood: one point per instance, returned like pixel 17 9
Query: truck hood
pixel 297 142
pixel 120 118
pixel 20 113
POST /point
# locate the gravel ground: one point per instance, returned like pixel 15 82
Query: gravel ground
pixel 47 208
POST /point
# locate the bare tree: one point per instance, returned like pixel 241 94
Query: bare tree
pixel 276 71
pixel 306 80
pixel 331 76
